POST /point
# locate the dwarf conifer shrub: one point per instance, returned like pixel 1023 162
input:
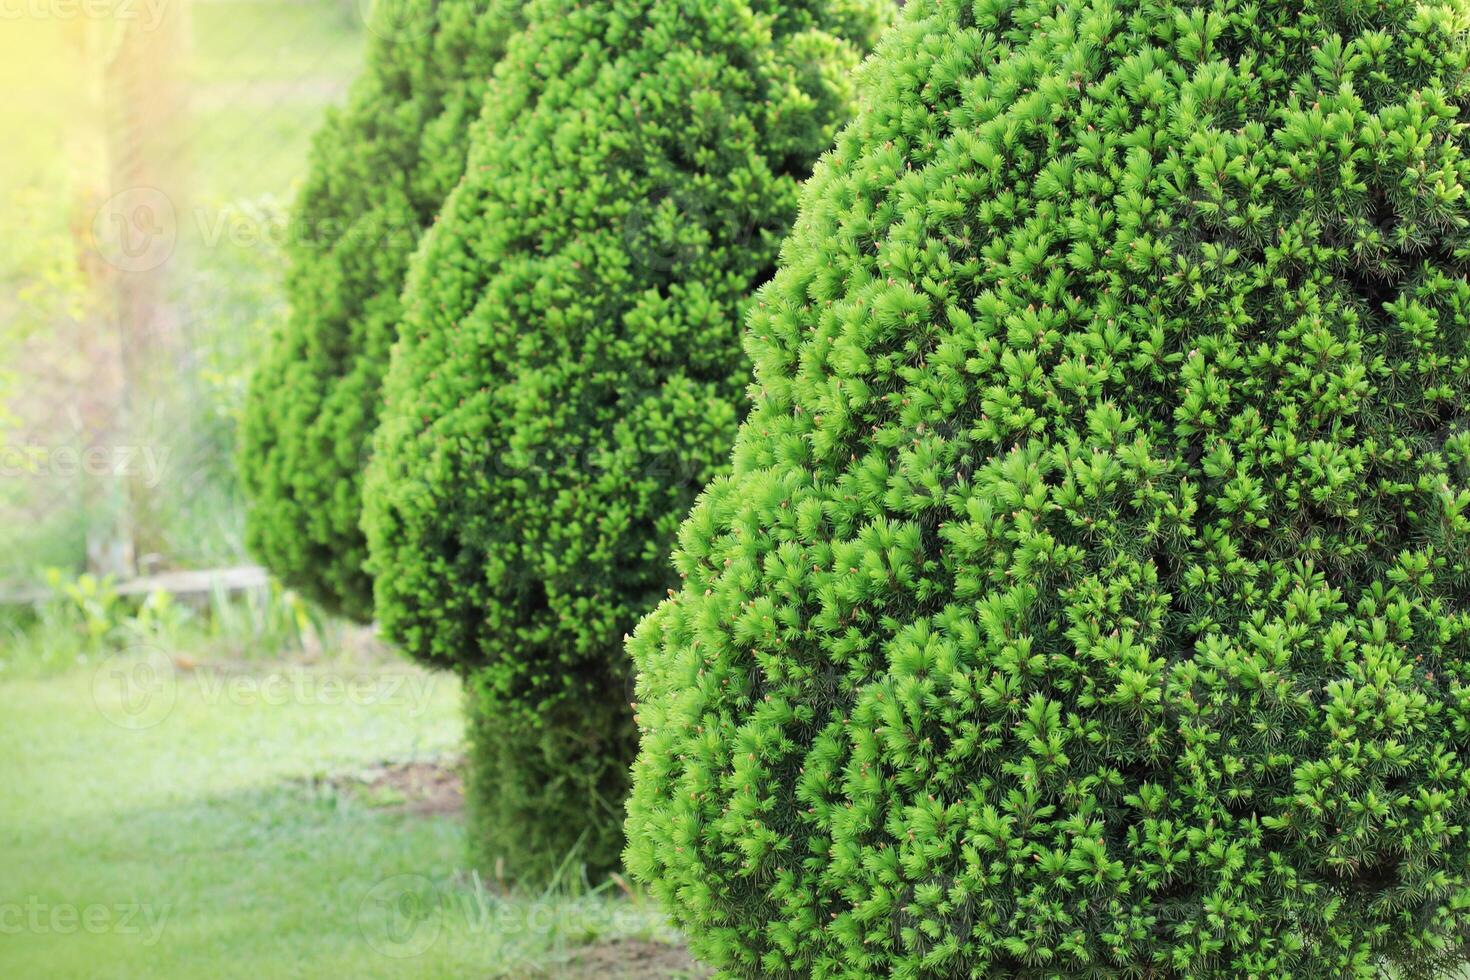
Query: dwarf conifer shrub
pixel 380 169
pixel 569 369
pixel 1091 592
pixel 544 802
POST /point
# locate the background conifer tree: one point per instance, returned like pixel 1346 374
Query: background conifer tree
pixel 569 370
pixel 1089 596
pixel 380 168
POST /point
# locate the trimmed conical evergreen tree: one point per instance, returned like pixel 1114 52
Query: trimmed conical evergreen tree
pixel 380 169
pixel 1091 593
pixel 569 370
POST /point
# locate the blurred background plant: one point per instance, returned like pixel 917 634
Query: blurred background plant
pixel 119 406
pixel 81 618
pixel 203 112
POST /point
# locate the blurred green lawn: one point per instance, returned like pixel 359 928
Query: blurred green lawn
pixel 208 844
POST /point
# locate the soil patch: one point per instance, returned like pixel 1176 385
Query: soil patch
pixel 407 787
pixel 626 959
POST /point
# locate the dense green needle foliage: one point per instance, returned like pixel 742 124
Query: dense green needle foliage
pixel 1091 593
pixel 569 369
pixel 570 361
pixel 380 169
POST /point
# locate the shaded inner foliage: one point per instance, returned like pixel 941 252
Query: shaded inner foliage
pixel 1088 597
